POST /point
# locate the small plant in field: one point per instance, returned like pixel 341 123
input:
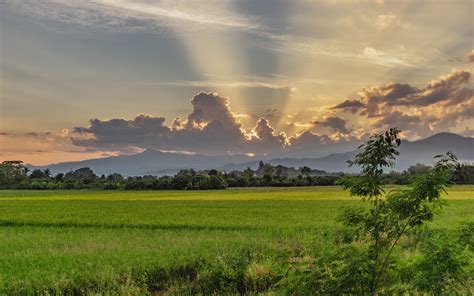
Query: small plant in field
pixel 390 218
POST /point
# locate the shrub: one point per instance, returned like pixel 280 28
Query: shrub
pixel 441 268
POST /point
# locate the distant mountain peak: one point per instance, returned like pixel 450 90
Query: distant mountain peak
pixel 445 135
pixel 166 162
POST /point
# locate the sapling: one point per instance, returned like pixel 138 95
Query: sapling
pixel 394 214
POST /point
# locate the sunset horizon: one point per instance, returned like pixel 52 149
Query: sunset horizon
pixel 237 147
pixel 89 79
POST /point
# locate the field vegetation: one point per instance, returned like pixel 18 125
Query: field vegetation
pixel 233 241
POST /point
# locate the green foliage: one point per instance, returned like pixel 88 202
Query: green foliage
pixel 378 153
pixel 265 176
pixel 13 175
pixel 85 175
pixel 389 219
pixel 236 241
pixel 464 174
pixel 441 269
pixel 418 169
pixel 341 271
pixel 466 235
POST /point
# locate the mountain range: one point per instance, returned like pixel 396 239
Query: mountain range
pixel 153 162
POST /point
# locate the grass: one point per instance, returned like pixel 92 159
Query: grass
pixel 123 242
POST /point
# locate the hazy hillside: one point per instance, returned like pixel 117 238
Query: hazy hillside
pixel 161 163
pixel 148 162
pixel 421 151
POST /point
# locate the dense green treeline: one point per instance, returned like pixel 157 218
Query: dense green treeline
pixel 13 175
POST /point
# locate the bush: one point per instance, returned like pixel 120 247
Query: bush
pixel 344 270
pixel 441 268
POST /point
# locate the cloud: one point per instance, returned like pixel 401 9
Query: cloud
pixel 254 83
pixel 385 21
pixel 350 105
pixel 127 15
pixel 308 139
pixel 267 136
pixel 453 79
pixel 186 16
pixel 210 128
pixel 120 134
pixel 336 123
pixel 209 107
pixel 442 105
pixel 403 121
pixel 450 89
pixel 213 128
pixel 382 58
pixel 470 56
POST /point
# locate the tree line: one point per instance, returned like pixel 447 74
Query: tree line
pixel 14 175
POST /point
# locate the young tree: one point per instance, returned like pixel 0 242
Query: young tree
pixel 390 218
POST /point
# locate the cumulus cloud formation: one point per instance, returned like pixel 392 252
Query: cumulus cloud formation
pixel 209 107
pixel 212 127
pixel 443 104
pixel 450 89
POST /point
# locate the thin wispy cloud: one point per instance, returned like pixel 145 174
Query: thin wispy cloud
pixel 211 14
pixel 126 15
pixel 216 84
pixel 250 81
pixel 123 14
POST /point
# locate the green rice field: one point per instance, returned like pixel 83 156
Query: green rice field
pixel 160 242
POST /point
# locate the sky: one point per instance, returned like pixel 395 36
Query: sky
pixel 84 79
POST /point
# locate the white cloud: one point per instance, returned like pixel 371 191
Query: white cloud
pixel 207 13
pixel 128 15
pixel 131 15
pixel 382 58
pixel 385 21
